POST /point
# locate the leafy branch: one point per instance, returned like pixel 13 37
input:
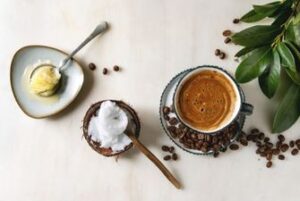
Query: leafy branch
pixel 271 53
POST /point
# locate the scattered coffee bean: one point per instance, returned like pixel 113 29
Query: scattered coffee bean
pixel 281 157
pixel 294 152
pixel 165 148
pixel 269 164
pixel 227 40
pixel 216 154
pixel 105 71
pixel 234 147
pixel 281 138
pixel 222 55
pixel 266 139
pixel 292 143
pixel 166 110
pixel 167 157
pixel 166 117
pixel 244 142
pixel 236 21
pixel 227 32
pixel 284 147
pixel 116 68
pixel 171 149
pixel 217 52
pixel 276 151
pixel 173 121
pixel 92 66
pixel 269 156
pixel 174 156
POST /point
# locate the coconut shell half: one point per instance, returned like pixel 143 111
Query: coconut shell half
pixel 96 145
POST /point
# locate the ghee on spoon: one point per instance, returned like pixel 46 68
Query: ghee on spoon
pixel 45 78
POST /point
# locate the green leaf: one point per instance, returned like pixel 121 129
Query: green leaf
pixel 267 9
pixel 295 52
pixel 282 17
pixel 292 32
pixel 295 77
pixel 256 36
pixel 288 110
pixel 244 51
pixel 252 16
pixel 287 58
pixel 254 64
pixel 269 80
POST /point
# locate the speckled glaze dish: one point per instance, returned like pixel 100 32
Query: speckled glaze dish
pixel 41 107
pixel 167 100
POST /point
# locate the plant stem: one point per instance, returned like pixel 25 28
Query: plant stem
pixel 279 38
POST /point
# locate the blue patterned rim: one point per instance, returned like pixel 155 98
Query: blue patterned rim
pixel 240 119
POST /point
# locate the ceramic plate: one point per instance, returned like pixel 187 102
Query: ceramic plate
pixel 31 104
pixel 167 100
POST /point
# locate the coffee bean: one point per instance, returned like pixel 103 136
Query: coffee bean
pixel 234 147
pixel 172 131
pixel 201 136
pixel 269 144
pixel 105 71
pixel 261 136
pixel 269 157
pixel 267 139
pixel 116 68
pixel 217 52
pixel 165 148
pixel 269 164
pixel 174 156
pixel 227 40
pixel 281 157
pixel 236 21
pixel 284 147
pixel 166 117
pixel 294 152
pixel 166 110
pixel 216 154
pixel 227 32
pixel 194 136
pixel 171 149
pixel 281 138
pixel 167 157
pixel 292 143
pixel 275 151
pixel 92 66
pixel 173 121
pixel 244 142
pixel 222 55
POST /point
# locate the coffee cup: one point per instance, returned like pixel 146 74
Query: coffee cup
pixel 208 99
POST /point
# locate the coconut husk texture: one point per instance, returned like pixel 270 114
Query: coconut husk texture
pixel 97 145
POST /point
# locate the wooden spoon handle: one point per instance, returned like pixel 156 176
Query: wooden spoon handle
pixel 155 160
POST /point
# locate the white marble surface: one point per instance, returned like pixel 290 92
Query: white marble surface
pixel 151 40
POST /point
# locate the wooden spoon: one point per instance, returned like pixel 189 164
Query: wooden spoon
pixel 153 158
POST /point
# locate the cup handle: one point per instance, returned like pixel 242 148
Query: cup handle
pixel 247 108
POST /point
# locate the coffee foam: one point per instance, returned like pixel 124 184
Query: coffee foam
pixel 207 100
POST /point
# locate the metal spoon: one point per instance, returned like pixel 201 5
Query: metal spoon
pixel 99 29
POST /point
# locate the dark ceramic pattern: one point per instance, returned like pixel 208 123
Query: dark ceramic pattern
pixel 168 94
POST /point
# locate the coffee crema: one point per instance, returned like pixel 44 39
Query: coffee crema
pixel 206 100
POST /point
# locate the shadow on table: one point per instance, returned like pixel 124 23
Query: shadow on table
pixel 150 132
